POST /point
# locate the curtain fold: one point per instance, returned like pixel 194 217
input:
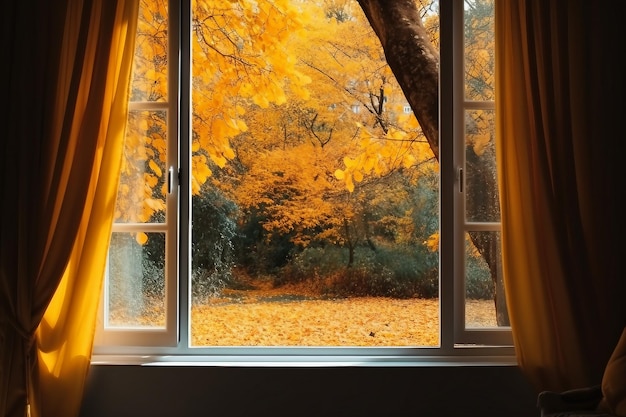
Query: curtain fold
pixel 67 87
pixel 560 97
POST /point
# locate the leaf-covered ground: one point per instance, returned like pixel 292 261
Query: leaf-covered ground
pixel 283 317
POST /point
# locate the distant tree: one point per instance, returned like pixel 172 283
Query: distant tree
pixel 289 160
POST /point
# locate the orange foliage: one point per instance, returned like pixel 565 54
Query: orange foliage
pixel 293 105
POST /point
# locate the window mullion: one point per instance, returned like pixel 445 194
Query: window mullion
pixel 183 45
pixel 447 177
pixel 467 336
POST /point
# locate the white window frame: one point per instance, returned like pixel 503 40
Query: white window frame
pixel 114 337
pixel 459 105
pixel 457 344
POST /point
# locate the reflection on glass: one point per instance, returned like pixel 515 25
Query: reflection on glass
pixel 149 78
pixel 143 179
pixel 479 50
pixel 136 280
pixel 481 204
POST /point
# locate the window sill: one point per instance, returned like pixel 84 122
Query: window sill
pixel 299 361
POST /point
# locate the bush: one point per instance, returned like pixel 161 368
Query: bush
pixel 414 268
pixel 313 263
pixel 362 281
pixel 213 234
pixel 392 271
pixel 206 284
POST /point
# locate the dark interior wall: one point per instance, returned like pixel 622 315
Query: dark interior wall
pixel 437 391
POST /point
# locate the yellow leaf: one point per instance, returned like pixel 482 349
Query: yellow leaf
pixel 277 95
pixel 201 171
pixel 154 204
pixel 141 238
pixel 261 101
pixel 408 161
pixel 241 125
pixel 155 168
pixel 339 174
pixel 219 160
pixel 229 153
pixel 433 242
pixel 396 134
pixel 349 183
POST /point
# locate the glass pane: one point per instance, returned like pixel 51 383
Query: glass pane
pixel 313 224
pixel 479 50
pixel 143 180
pixel 485 303
pixel 136 280
pixel 149 78
pixel 481 204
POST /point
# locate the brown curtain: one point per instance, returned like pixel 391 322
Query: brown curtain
pixel 65 75
pixel 560 106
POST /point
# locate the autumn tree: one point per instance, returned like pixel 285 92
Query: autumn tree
pixel 415 62
pixel 289 160
pixel 239 57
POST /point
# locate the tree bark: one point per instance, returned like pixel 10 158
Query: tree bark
pixel 412 58
pixel 415 63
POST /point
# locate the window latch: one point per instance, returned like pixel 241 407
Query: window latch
pixel 170 180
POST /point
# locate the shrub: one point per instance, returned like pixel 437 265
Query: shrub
pixel 206 284
pixel 361 281
pixel 390 271
pixel 414 268
pixel 312 263
pixel 214 232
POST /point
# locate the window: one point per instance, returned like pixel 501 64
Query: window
pixel 140 291
pixel 212 203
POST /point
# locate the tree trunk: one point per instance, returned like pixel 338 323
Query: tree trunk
pixel 413 60
pixel 415 63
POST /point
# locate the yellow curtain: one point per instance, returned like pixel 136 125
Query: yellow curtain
pixel 559 101
pixel 66 84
